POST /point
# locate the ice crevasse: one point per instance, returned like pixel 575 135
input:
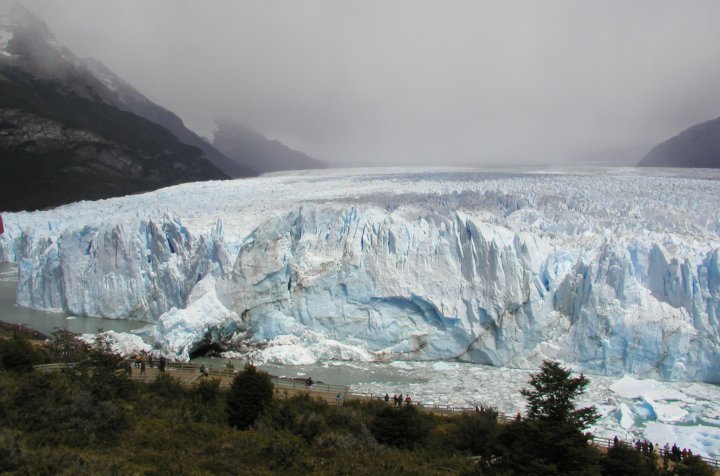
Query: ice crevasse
pixel 506 273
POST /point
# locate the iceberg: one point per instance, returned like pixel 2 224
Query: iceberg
pixel 609 271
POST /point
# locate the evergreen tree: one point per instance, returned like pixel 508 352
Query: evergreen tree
pixel 551 440
pixel 250 394
pixel 553 394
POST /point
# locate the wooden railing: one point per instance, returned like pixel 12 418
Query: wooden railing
pixel 56 367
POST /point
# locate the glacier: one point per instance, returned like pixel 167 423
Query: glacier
pixel 610 271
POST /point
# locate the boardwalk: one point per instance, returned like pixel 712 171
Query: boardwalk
pixel 189 374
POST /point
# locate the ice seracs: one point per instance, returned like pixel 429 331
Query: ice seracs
pixel 609 271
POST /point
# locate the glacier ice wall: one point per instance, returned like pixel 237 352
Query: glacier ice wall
pixel 609 272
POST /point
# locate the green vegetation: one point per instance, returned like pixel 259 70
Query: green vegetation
pixel 250 394
pixel 92 419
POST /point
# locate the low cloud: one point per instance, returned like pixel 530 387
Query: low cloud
pixel 408 82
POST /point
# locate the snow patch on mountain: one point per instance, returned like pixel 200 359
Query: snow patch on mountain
pixel 610 271
pixel 5 37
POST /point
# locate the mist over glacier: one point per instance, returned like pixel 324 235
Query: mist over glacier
pixel 611 271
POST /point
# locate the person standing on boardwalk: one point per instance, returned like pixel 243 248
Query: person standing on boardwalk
pixel 162 364
pixel 142 367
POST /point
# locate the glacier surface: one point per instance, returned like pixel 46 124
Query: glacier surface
pixel 610 271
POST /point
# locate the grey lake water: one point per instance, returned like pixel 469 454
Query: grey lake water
pixel 49 322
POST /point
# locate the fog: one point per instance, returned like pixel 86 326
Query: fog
pixel 416 82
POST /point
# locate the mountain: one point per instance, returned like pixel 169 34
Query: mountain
pixel 619 156
pixel 698 146
pixel 129 99
pixel 605 271
pixel 264 155
pixel 65 135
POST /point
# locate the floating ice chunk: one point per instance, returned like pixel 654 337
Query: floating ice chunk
pixel 440 366
pixel 121 343
pixel 644 410
pixel 629 387
pixel 703 440
pixel 398 364
pixel 668 412
pixel 661 392
pixel 626 416
pixel 307 349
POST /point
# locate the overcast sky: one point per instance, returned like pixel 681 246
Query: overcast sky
pixel 416 82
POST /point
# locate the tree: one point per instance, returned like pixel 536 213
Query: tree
pixel 551 440
pixel 553 394
pixel 250 394
pixel 477 434
pixel 402 427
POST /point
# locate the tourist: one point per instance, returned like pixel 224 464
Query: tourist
pixel 142 367
pixel 387 398
pixel 675 451
pixel 408 400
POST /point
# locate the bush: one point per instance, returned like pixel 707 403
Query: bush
pixel 167 387
pixel 400 427
pixel 283 450
pixel 18 355
pixel 204 404
pixel 10 453
pixel 694 466
pixel 622 460
pixel 476 434
pixel 250 394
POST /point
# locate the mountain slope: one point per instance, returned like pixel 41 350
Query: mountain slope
pixel 62 139
pixel 698 146
pixel 264 155
pixel 128 98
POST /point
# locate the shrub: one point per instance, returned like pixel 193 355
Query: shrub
pixel 18 355
pixel 250 394
pixel 477 433
pixel 621 460
pixel 10 453
pixel 400 427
